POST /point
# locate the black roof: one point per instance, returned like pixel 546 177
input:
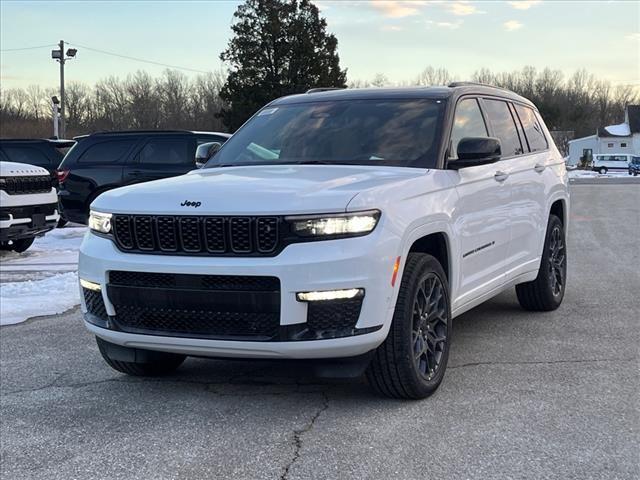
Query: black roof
pixel 634 118
pixel 455 89
pixel 149 132
pixel 60 143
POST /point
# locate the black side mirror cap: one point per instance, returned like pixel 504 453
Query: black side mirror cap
pixel 473 151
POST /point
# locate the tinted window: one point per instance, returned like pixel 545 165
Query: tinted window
pixel 29 155
pixel 635 160
pixel 503 127
pixel 467 122
pixel 106 152
pixel 532 129
pixel 402 132
pixel 166 151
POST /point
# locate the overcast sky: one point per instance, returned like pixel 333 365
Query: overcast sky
pixel 395 38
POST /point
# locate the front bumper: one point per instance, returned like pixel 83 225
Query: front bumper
pixel 363 262
pixel 27 221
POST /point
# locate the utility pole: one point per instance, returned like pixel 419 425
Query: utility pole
pixel 62 104
pixel 59 55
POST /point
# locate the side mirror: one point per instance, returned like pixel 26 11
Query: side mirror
pixel 205 151
pixel 473 151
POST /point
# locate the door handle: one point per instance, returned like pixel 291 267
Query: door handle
pixel 135 173
pixel 501 176
pixel 539 167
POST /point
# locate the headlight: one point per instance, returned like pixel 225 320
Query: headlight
pixel 338 225
pixel 100 222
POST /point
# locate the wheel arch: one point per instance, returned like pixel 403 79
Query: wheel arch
pixel 436 244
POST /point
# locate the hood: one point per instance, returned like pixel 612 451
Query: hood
pixel 254 190
pixel 13 169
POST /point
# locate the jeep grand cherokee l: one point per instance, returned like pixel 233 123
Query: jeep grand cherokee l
pixel 346 226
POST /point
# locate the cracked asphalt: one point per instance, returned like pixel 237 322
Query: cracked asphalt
pixel 542 396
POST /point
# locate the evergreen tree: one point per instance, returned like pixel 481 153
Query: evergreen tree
pixel 279 47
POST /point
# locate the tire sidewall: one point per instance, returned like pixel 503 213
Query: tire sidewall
pixel 403 324
pixel 554 222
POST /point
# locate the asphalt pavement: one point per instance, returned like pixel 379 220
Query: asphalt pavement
pixel 526 395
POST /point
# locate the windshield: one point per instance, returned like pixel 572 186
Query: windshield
pixel 401 132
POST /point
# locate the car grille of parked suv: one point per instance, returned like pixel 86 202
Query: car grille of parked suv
pixel 26 185
pixel 194 235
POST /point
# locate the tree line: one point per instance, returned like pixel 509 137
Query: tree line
pixel 280 47
pixel 580 103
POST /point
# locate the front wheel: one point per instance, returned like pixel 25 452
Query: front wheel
pixel 602 171
pixel 412 360
pixel 546 292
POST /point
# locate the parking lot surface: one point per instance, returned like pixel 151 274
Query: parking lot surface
pixel 526 395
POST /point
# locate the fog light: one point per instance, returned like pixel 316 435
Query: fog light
pixel 90 285
pixel 330 295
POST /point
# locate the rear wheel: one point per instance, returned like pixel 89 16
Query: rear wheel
pixel 21 245
pixel 546 292
pixel 602 171
pixel 412 360
pixel 147 363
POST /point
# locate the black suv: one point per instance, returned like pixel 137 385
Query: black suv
pixel 41 152
pixel 107 160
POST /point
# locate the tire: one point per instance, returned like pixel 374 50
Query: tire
pixel 400 367
pixel 62 222
pixel 546 292
pixel 22 245
pixel 155 364
pixel 602 171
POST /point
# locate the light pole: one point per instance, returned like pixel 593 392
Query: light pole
pixel 60 57
pixel 56 116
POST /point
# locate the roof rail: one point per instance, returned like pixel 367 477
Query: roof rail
pixel 475 84
pixel 110 132
pixel 324 89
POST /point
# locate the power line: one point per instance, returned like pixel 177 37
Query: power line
pixel 26 48
pixel 136 59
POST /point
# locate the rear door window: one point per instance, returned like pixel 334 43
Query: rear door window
pixel 467 122
pixel 28 155
pixel 504 126
pixel 106 152
pixel 166 151
pixel 532 129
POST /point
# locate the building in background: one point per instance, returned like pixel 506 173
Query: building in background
pixel 621 138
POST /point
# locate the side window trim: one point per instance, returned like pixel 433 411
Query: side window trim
pixel 492 132
pixel 453 119
pixel 535 116
pixel 524 142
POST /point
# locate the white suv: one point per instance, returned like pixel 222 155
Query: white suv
pixel 347 226
pixel 28 205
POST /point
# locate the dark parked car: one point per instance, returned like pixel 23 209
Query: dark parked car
pixel 634 166
pixel 103 161
pixel 41 152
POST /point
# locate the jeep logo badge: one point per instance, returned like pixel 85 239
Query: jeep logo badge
pixel 188 203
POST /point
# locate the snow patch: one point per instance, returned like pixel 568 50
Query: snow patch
pixel 620 129
pixel 32 298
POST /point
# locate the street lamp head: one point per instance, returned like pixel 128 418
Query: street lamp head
pixel 56 54
pixel 71 52
pixel 55 100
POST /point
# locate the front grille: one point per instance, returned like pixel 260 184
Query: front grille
pixel 30 210
pixel 210 306
pixel 192 235
pixel 238 283
pixel 95 304
pixel 26 185
pixel 196 323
